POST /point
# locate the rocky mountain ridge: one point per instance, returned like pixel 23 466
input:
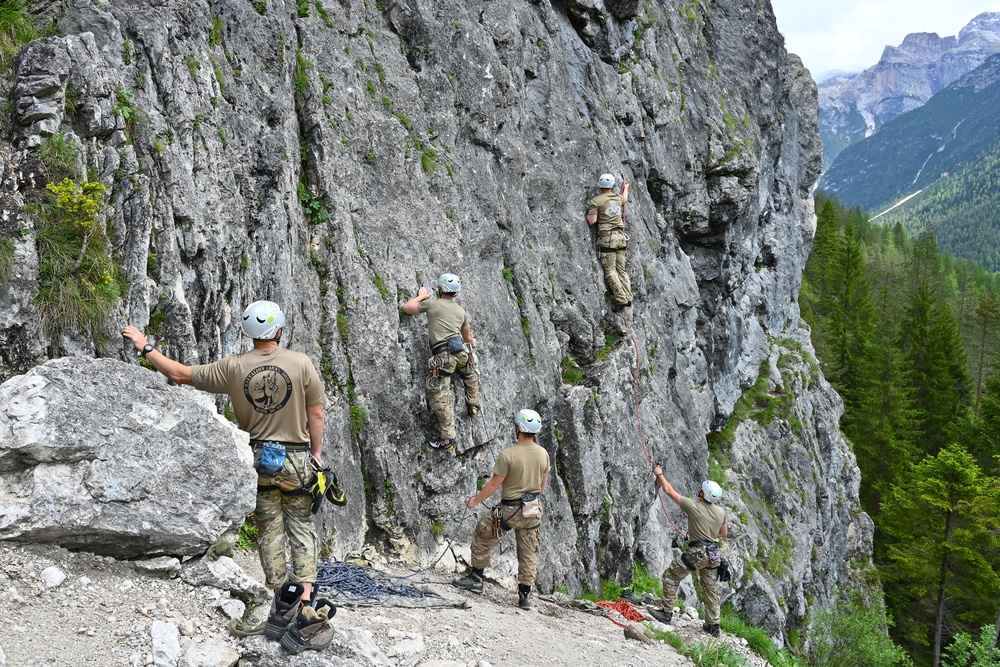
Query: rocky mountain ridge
pixel 954 130
pixel 335 157
pixel 906 76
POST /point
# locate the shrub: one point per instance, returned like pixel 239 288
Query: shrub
pixel 16 28
pixel 247 539
pixel 428 159
pixel 571 371
pixel 359 419
pixel 79 280
pixel 851 633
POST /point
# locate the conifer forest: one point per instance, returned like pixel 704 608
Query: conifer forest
pixel 908 335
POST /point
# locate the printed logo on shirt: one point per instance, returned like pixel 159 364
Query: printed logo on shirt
pixel 267 388
pixel 613 210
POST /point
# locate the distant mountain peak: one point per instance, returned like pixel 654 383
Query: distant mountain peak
pixel 905 77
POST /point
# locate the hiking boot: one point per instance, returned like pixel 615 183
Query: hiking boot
pixel 712 629
pixel 660 615
pixel 312 630
pixel 470 582
pixel 446 445
pixel 472 409
pixel 524 597
pixel 284 607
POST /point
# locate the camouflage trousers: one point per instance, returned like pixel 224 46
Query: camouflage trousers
pixel 615 265
pixel 709 575
pixel 440 397
pixel 528 540
pixel 286 522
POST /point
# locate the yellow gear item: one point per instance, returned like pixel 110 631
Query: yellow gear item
pixel 325 485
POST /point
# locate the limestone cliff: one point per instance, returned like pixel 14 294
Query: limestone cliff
pixel 336 157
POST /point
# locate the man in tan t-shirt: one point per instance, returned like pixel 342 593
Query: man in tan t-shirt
pixel 277 397
pixel 607 210
pixel 451 341
pixel 706 526
pixel 522 471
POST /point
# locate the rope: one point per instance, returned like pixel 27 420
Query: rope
pixel 638 419
pixel 357 583
pixel 621 608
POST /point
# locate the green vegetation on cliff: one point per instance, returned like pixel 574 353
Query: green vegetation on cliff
pixel 909 338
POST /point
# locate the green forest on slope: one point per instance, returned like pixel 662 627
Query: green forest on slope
pixel 963 211
pixel 909 337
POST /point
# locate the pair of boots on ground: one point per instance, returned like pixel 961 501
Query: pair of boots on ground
pixel 474 582
pixel 663 616
pixel 298 625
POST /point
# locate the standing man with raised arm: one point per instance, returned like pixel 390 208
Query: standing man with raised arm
pixel 277 397
pixel 522 471
pixel 706 526
pixel 606 210
pixel 451 340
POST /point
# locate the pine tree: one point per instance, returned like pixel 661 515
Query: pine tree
pixel 941 525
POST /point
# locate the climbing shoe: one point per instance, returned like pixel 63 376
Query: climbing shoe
pixel 472 409
pixel 660 615
pixel 470 582
pixel 712 629
pixel 284 607
pixel 524 596
pixel 446 445
pixel 312 630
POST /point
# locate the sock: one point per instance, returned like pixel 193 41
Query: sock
pixel 478 572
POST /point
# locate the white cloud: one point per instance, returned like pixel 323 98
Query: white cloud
pixel 850 35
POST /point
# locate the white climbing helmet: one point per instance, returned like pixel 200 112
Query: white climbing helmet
pixel 449 283
pixel 606 181
pixel 262 320
pixel 712 491
pixel 528 421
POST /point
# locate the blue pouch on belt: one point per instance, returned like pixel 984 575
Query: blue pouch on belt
pixel 272 458
pixel 456 344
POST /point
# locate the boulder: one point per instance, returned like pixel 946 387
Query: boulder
pixel 102 456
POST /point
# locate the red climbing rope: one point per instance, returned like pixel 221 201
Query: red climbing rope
pixel 621 609
pixel 638 419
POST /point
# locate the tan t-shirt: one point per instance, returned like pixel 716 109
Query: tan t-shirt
pixel 445 319
pixel 269 389
pixel 608 207
pixel 704 519
pixel 522 467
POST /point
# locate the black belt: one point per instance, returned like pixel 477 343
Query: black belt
pixel 511 503
pixel 700 543
pixel 290 446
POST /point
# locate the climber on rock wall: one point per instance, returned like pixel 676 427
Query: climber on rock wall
pixel 451 342
pixel 606 210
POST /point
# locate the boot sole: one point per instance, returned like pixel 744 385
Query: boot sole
pixel 290 643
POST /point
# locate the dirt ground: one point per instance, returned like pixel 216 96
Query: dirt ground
pixel 101 613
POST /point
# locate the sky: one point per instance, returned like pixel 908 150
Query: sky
pixel 849 35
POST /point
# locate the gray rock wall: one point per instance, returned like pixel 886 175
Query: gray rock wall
pixel 338 161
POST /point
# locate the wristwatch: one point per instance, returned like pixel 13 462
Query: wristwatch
pixel 147 348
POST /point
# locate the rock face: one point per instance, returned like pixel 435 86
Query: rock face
pixel 852 108
pixel 99 456
pixel 336 157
